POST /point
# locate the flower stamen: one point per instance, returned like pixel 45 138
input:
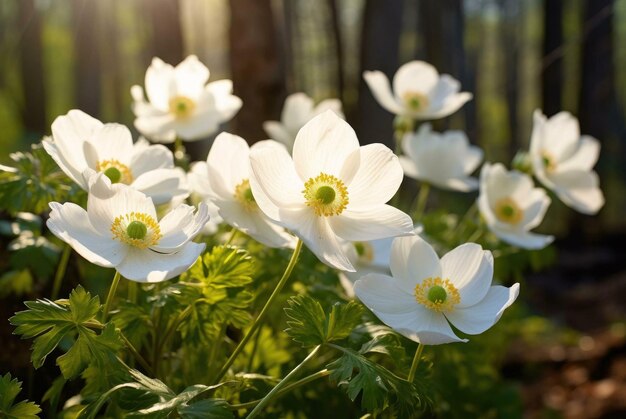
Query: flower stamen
pixel 181 106
pixel 549 162
pixel 326 194
pixel 437 294
pixel 416 101
pixel 508 211
pixel 243 194
pixel 365 251
pixel 136 229
pixel 117 172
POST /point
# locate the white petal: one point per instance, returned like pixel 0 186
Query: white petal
pixel 274 178
pixel 158 128
pixel 150 158
pixel 229 161
pixel 375 222
pixel 561 134
pixel 578 189
pixel 585 156
pixel 381 294
pixel 163 184
pixel 323 145
pixel 413 260
pixel 451 105
pixel 379 85
pixel 297 111
pixel 480 317
pixel 70 223
pixel 160 84
pixel 181 225
pixel 198 126
pixel 191 76
pixel 537 136
pixel 470 269
pixel 432 329
pixel 534 206
pixel 276 131
pixel 466 184
pixel 408 167
pixel 446 87
pixel 72 172
pixel 332 104
pixel 113 142
pixel 415 76
pixel 473 157
pixel 144 265
pixel 226 104
pixel 198 179
pixel 523 239
pixel 377 178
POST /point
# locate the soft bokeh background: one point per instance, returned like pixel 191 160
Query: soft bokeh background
pixel 515 56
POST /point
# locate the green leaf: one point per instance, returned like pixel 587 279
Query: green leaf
pixel 49 322
pixel 9 389
pixel 380 387
pixel 311 326
pixel 32 182
pixel 206 409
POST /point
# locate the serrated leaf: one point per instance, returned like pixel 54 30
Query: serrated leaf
pixel 49 322
pixel 311 326
pixel 9 389
pixel 380 387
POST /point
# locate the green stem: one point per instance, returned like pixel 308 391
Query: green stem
pixel 142 361
pixel 262 314
pixel 286 389
pixel 234 233
pixel 274 392
pixel 422 198
pixel 180 154
pixel 254 346
pixel 416 361
pixel 132 292
pixel 174 325
pixel 60 273
pixel 109 300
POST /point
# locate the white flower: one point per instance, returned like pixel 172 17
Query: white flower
pixel 297 111
pixel 512 206
pixel 445 160
pixel 332 191
pixel 563 160
pixel 366 257
pixel 199 184
pixel 425 293
pixel 80 142
pixel 181 103
pixel 419 91
pixel 120 230
pixel 226 175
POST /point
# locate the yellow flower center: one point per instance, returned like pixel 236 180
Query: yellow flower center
pixel 416 101
pixel 115 171
pixel 243 194
pixel 136 229
pixel 365 251
pixel 549 162
pixel 181 106
pixel 326 194
pixel 437 294
pixel 508 211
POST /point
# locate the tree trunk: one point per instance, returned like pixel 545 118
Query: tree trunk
pixel 31 53
pixel 167 38
pixel 257 74
pixel 382 25
pixel 552 75
pixel 336 29
pixel 87 57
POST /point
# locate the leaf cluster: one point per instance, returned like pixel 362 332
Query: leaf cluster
pixel 9 389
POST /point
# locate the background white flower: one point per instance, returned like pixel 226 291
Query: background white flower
pixel 120 230
pixel 563 160
pixel 227 171
pixel 198 178
pixel 419 91
pixel 512 206
pixel 181 103
pixel 442 159
pixel 426 293
pixel 332 191
pixel 81 142
pixel 297 111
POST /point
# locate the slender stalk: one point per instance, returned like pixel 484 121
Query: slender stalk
pixel 180 154
pixel 174 325
pixel 254 346
pixel 142 361
pixel 109 300
pixel 132 292
pixel 234 233
pixel 416 361
pixel 422 198
pixel 60 273
pixel 274 392
pixel 284 390
pixel 263 313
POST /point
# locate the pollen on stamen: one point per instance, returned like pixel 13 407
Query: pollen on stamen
pixel 508 211
pixel 326 195
pixel 416 101
pixel 243 194
pixel 437 294
pixel 136 229
pixel 116 171
pixel 181 106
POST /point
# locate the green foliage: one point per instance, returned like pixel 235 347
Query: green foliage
pixel 165 401
pixel 9 389
pixel 32 182
pixel 50 322
pixel 311 326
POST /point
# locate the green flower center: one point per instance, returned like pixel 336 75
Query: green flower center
pixel 437 294
pixel 360 248
pixel 247 194
pixel 181 106
pixel 113 174
pixel 136 230
pixel 325 194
